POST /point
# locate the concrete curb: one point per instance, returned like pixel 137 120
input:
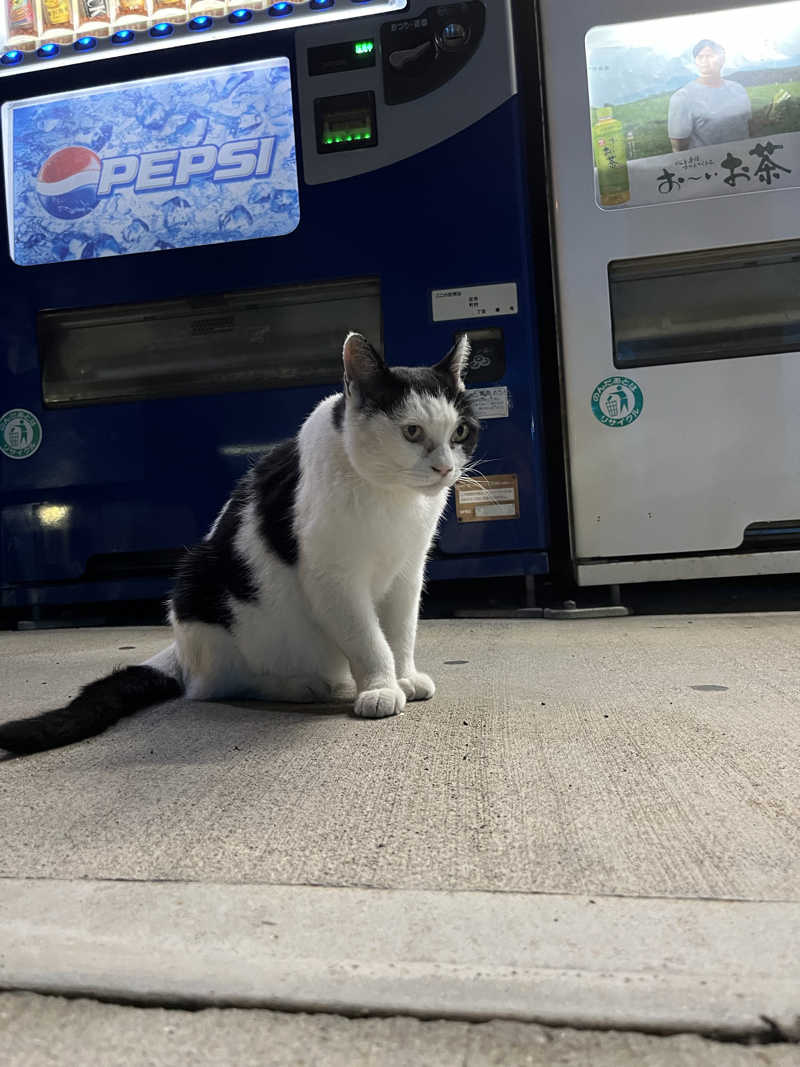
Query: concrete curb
pixel 604 962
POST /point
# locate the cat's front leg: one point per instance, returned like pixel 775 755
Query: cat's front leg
pixel 398 614
pixel 349 618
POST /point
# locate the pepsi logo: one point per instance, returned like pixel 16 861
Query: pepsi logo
pixel 67 182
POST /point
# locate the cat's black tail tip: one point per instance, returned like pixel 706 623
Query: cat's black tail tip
pixel 98 706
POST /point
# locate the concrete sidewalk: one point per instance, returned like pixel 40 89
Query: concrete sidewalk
pixel 593 824
pixel 40 1031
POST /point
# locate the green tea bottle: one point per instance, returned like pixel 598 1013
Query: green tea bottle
pixel 610 157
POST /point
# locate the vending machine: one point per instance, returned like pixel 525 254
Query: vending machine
pixel 674 140
pixel 201 199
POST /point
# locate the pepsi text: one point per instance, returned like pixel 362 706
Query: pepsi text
pixel 175 167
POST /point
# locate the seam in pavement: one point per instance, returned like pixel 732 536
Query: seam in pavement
pixel 590 897
pixel 772 1034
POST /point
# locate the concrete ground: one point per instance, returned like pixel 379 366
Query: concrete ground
pixel 41 1031
pixel 593 824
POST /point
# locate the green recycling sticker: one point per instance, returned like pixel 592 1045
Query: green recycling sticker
pixel 20 433
pixel 617 401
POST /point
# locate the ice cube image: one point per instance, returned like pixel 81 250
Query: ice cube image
pixel 236 218
pixel 260 194
pixel 177 211
pixel 113 207
pixel 191 128
pixel 47 119
pixel 233 81
pixel 249 120
pixel 223 124
pixel 277 75
pixel 284 201
pixel 102 245
pixel 100 137
pixel 30 237
pixel 136 230
pixel 154 116
pixel 70 244
pixel 279 111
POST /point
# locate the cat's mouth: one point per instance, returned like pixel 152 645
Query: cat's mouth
pixel 432 488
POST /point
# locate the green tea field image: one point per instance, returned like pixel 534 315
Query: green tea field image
pixel 776 110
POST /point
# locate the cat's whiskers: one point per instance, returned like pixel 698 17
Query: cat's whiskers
pixel 474 483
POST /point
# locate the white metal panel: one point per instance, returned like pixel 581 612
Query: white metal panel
pixel 718 443
pixel 667 569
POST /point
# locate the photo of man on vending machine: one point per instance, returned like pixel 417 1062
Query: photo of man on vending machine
pixel 710 109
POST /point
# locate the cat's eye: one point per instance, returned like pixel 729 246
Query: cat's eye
pixel 461 433
pixel 412 433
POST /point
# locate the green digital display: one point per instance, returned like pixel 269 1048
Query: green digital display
pixel 346 122
pixel 344 55
pixel 356 126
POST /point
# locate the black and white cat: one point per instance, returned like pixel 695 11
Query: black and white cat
pixel 307 586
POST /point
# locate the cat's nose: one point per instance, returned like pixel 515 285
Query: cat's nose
pixel 444 471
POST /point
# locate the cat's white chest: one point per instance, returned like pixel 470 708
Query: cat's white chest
pixel 375 535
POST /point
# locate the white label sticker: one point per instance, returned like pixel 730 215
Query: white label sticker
pixel 474 302
pixel 483 496
pixel 491 403
pixel 485 511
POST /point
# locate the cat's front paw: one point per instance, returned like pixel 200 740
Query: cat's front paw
pixel 417 686
pixel 378 703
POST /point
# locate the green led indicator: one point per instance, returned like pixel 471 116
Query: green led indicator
pixel 364 48
pixel 346 127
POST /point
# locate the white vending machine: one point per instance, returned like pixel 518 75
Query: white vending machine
pixel 674 143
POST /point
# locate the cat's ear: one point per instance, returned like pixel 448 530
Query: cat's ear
pixel 363 366
pixel 454 365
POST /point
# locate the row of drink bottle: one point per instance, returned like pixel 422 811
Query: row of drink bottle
pixel 31 23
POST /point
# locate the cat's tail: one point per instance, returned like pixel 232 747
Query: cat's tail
pixel 98 706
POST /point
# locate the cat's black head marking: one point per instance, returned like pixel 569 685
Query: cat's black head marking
pixel 377 387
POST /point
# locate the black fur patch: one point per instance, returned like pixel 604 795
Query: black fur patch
pixel 212 571
pixel 463 406
pixel 338 412
pixel 275 479
pixel 390 392
pixel 98 706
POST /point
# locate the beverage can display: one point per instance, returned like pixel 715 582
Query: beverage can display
pixel 207 7
pixel 132 14
pixel 170 11
pixel 58 21
pixel 22 29
pixel 610 158
pixel 94 17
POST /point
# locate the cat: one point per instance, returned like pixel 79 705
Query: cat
pixel 307 586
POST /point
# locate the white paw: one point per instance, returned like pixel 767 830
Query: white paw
pixel 378 703
pixel 417 686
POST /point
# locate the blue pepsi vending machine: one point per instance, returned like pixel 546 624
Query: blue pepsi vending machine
pixel 200 201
